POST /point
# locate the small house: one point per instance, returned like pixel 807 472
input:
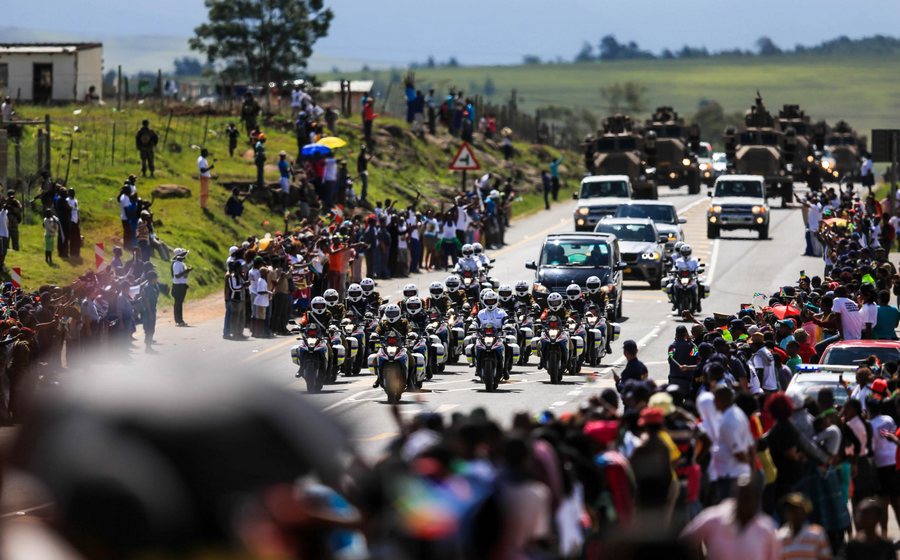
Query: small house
pixel 51 72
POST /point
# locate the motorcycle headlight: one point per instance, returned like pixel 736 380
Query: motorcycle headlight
pixel 685 281
pixel 592 321
pixel 672 237
pixel 704 166
pixel 489 341
pixel 553 333
pixel 391 351
pixel 311 341
pixel 651 256
pixel 583 211
pixel 685 162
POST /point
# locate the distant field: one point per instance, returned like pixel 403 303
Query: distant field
pixel 861 90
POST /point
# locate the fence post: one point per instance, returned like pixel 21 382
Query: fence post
pixel 18 145
pixel 4 155
pixel 166 134
pixel 205 130
pixel 47 155
pixel 119 90
pixel 113 162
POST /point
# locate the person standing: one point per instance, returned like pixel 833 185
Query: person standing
pixel 145 141
pixel 634 370
pixel 547 186
pixel 15 217
pixel 369 117
pixel 74 233
pixel 180 273
pixel 362 170
pixel 249 112
pixel 259 325
pixel 125 204
pixel 554 176
pixel 63 214
pixel 204 167
pixel 233 133
pixel 431 104
pixel 4 236
pixel 235 298
pixel 51 230
pixel 149 299
pixel 329 182
pixel 285 172
pixel 259 158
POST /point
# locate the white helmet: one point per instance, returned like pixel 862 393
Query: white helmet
pixel 573 292
pixel 318 305
pixel 331 297
pixel 468 250
pixel 354 292
pixel 414 305
pixel 685 250
pixel 554 301
pixel 677 247
pixel 436 289
pixel 522 288
pixel 489 299
pixel 392 312
pixel 410 290
pixel 478 248
pixel 367 285
pixel 593 284
pixel 505 292
pixel 452 282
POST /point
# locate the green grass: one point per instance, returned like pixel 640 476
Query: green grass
pixel 404 166
pixel 860 90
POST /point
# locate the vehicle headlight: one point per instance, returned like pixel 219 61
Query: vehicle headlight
pixel 584 211
pixel 553 333
pixel 704 166
pixel 715 209
pixel 759 209
pixel 826 164
pixel 835 174
pixel 685 162
pixel 311 341
pixel 391 351
pixel 489 341
pixel 810 159
pixel 651 256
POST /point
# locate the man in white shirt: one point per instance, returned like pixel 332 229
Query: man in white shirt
pixel 204 168
pixel 762 363
pixel 814 218
pixel 4 236
pixel 73 236
pixel 733 452
pixel 329 178
pixel 180 272
pixel 415 243
pixel 851 321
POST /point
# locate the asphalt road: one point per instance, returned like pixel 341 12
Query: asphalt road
pixel 738 265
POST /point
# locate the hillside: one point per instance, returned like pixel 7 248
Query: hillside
pixel 858 89
pixel 404 168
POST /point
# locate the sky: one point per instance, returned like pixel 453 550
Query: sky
pixel 396 32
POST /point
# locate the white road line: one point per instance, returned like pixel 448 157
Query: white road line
pixel 558 404
pixel 654 332
pixel 26 511
pixel 444 408
pixel 691 205
pixel 713 260
pixel 574 393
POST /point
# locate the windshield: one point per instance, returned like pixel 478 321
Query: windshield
pixel 759 138
pixel 659 213
pixel 719 157
pixel 595 189
pixel 853 355
pixel 575 253
pixel 629 232
pixel 739 188
pixel 811 389
pixel 841 140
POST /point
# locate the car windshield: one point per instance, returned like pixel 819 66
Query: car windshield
pixel 575 253
pixel 853 355
pixel 659 213
pixel 811 389
pixel 595 189
pixel 629 232
pixel 739 188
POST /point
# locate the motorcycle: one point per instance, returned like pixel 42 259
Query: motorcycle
pixel 456 336
pixel 354 339
pixel 487 354
pixel 577 336
pixel 512 348
pixel 554 347
pixel 471 285
pixel 524 332
pixel 686 291
pixel 312 356
pixel 392 361
pixel 597 330
pixel 439 339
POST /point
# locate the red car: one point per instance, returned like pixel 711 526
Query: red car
pixel 855 352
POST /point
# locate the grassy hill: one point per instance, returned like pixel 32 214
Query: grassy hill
pixel 404 167
pixel 861 90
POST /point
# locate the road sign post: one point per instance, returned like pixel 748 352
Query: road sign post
pixel 464 161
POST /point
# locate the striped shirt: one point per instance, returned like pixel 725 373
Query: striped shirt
pixel 810 543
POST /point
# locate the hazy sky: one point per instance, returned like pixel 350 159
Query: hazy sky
pixel 492 31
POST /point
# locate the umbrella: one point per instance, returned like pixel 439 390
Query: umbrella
pixel 332 142
pixel 785 311
pixel 312 150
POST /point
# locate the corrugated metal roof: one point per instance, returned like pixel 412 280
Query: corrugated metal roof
pixel 356 86
pixel 46 48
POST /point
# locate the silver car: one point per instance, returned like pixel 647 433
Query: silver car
pixel 642 248
pixel 664 216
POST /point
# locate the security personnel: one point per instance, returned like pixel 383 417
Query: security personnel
pixel 455 293
pixel 356 301
pixel 146 140
pixel 491 315
pixel 468 262
pixel 437 299
pixel 318 314
pixel 507 299
pixel 595 295
pixel 409 291
pixel 685 262
pixel 480 256
pixel 415 314
pixel 574 300
pixel 335 307
pixel 391 322
pixel 555 308
pixel 523 296
pixel 372 297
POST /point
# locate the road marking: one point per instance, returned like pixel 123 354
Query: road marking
pixel 445 408
pixel 691 205
pixel 574 393
pixel 558 404
pixel 654 332
pixel 713 260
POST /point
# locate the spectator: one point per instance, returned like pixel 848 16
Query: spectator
pixel 547 185
pixel 233 134
pixel 180 273
pixel 149 297
pixel 259 158
pixel 14 217
pixel 234 206
pixel 554 177
pixel 146 140
pixel 369 117
pixel 800 539
pixel 204 167
pixel 635 370
pixel 52 228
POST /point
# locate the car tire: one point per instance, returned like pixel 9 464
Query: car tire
pixel 656 283
pixel 712 232
pixel 764 232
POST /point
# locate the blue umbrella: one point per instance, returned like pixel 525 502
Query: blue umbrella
pixel 312 150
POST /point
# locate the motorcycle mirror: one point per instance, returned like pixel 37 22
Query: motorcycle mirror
pixel 531 265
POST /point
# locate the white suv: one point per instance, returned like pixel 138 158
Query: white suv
pixel 738 202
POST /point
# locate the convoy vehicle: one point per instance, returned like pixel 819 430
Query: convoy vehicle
pixel 664 216
pixel 599 196
pixel 571 258
pixel 738 202
pixel 762 149
pixel 794 123
pixel 854 352
pixel 708 171
pixel 672 149
pixel 846 147
pixel 643 249
pixel 619 150
pixel 719 163
pixel 808 384
pixel 315 356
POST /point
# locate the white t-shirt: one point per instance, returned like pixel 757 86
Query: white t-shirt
pixel 413 224
pixel 448 231
pixel 73 204
pixel 178 267
pixel 4 223
pixel 201 165
pixel 815 216
pixel 462 219
pixel 124 203
pixel 253 278
pixel 330 169
pixel 734 437
pixel 706 407
pixel 884 451
pixel 763 359
pixel 851 320
pixel 262 296
pixel 868 314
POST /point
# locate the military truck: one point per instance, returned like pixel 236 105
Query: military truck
pixel 762 149
pixel 794 123
pixel 619 150
pixel 672 149
pixel 843 150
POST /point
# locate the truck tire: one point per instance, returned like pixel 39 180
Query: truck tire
pixel 694 182
pixel 712 232
pixel 787 193
pixel 764 232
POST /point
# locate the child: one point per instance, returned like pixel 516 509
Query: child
pixel 867 544
pixel 233 135
pixel 51 230
pixel 794 360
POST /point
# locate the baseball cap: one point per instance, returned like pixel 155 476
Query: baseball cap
pixel 787 323
pixel 662 401
pixel 651 416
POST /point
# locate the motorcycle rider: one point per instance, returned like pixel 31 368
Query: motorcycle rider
pixel 318 314
pixel 575 302
pixel 480 256
pixel 490 314
pixel 468 262
pixel 391 322
pixel 415 314
pixel 335 307
pixel 356 301
pixel 595 296
pixel 373 298
pixel 685 262
pixel 437 299
pixel 455 293
pixel 507 300
pixel 555 308
pixel 523 295
pixel 409 291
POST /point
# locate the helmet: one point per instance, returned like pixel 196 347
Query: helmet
pixel 410 290
pixel 573 292
pixel 414 305
pixel 685 250
pixel 452 282
pixel 505 292
pixel 318 305
pixel 367 285
pixel 489 299
pixel 354 292
pixel 468 250
pixel 478 248
pixel 554 301
pixel 436 289
pixel 331 297
pixel 677 247
pixel 521 288
pixel 392 312
pixel 592 284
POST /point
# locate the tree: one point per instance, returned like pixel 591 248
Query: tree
pixel 188 66
pixel 430 63
pixel 586 54
pixel 531 59
pixel 489 89
pixel 767 47
pixel 262 40
pixel 713 120
pixel 624 98
pixel 452 63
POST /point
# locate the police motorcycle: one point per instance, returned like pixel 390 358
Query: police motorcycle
pixel 554 344
pixel 683 286
pixel 396 364
pixel 428 342
pixel 354 335
pixel 577 333
pixel 598 329
pixel 487 351
pixel 487 264
pixel 315 355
